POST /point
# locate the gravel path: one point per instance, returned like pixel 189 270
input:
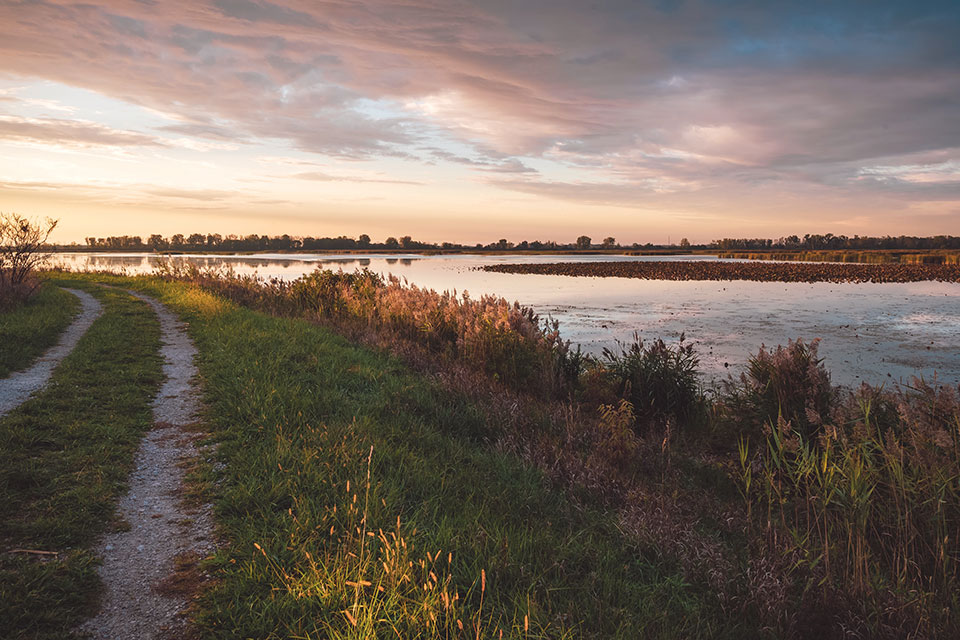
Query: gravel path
pixel 18 387
pixel 143 568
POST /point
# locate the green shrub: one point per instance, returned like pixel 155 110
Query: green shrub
pixel 660 381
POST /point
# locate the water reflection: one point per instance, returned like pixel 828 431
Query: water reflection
pixel 871 332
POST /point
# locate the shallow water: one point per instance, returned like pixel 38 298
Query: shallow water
pixel 868 332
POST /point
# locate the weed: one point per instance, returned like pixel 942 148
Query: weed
pixel 660 381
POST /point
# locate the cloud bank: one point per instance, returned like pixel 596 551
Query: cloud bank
pixel 681 105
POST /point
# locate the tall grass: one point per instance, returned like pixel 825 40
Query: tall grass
pixel 506 340
pixel 660 382
pixel 788 384
pixel 866 498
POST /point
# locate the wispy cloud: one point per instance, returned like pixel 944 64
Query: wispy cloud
pixel 326 177
pixel 71 133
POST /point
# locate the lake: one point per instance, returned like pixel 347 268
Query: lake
pixel 869 332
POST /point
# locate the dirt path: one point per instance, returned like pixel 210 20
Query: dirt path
pixel 19 386
pixel 147 569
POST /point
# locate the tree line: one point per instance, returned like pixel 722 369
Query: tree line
pixel 829 241
pixel 254 242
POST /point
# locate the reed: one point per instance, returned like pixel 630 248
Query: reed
pixel 660 381
pixel 868 501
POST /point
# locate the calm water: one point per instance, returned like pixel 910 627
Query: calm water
pixel 871 332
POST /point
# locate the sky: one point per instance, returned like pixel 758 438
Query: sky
pixel 474 121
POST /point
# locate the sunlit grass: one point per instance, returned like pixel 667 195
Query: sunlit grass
pixel 359 501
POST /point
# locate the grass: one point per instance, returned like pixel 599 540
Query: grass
pixel 28 330
pixel 860 489
pixel 360 499
pixel 64 459
pixel 508 342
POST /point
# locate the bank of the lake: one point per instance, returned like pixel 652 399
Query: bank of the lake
pixel 874 332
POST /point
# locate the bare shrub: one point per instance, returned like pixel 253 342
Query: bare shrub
pixel 22 251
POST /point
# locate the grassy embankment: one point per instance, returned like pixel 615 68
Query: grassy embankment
pixel 356 498
pixel 849 512
pixel 879 256
pixel 31 328
pixel 64 458
pixel 360 499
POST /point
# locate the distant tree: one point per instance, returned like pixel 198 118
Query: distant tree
pixel 609 242
pixel 157 242
pixel 684 243
pixel 177 241
pixel 196 239
pixel 584 242
pixel 363 240
pixel 391 243
pixel 406 242
pixel 214 239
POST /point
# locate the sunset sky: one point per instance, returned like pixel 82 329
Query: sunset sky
pixel 472 121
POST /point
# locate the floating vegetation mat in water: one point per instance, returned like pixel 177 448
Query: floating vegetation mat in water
pixel 761 271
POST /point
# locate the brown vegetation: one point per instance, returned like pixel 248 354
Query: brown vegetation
pixel 506 340
pixel 766 272
pixel 819 511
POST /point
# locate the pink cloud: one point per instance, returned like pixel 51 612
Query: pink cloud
pixel 637 99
